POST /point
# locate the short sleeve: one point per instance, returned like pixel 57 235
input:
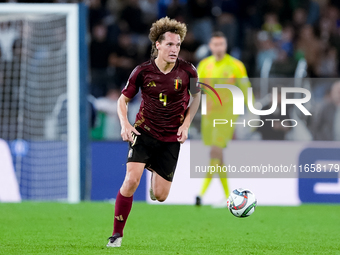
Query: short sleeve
pixel 200 69
pixel 194 88
pixel 133 84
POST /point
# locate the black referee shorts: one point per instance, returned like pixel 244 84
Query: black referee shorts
pixel 158 156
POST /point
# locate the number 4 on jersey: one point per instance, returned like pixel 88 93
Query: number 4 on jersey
pixel 162 98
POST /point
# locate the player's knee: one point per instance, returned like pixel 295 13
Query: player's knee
pixel 132 183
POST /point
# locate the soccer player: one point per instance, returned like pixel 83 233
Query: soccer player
pixel 220 67
pixel 162 121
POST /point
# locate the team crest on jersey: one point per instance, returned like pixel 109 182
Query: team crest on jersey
pixel 178 83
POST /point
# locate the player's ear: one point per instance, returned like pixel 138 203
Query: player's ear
pixel 157 45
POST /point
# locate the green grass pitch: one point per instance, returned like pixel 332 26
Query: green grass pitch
pixel 58 228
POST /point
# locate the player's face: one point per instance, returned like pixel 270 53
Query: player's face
pixel 169 48
pixel 218 46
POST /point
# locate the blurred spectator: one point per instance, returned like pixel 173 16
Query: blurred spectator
pixel 227 24
pixel 61 128
pixel 266 49
pixel 285 42
pixel 97 13
pixel 122 59
pixel 189 47
pixel 99 51
pixel 326 121
pixel 311 7
pixel 175 10
pixel 285 64
pixel 313 12
pixel 107 123
pixel 150 10
pixel 272 25
pixel 308 47
pixel 333 14
pixel 99 47
pixel 299 20
pixel 327 64
pixel 113 32
pixel 201 19
pixel 325 29
pixel 131 18
pixel 115 6
pixel 282 8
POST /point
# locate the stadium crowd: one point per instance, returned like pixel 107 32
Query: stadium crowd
pixel 283 31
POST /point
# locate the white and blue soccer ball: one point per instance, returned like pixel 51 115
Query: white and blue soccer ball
pixel 242 202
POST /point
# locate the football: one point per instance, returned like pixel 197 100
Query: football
pixel 242 202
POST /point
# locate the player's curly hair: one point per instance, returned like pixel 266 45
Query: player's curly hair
pixel 160 27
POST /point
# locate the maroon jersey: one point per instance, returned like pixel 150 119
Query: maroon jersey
pixel 165 97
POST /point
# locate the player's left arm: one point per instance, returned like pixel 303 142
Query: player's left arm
pixel 183 129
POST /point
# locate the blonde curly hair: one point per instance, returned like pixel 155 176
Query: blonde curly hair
pixel 160 27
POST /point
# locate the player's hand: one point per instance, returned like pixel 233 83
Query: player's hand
pixel 182 133
pixel 127 131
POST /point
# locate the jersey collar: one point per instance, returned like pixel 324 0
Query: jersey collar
pixel 159 71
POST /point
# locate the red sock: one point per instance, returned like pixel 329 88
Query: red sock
pixel 122 210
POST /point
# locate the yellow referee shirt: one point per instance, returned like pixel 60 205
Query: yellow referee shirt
pixel 229 70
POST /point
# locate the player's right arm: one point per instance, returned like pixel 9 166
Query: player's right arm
pixel 127 128
pixel 129 91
